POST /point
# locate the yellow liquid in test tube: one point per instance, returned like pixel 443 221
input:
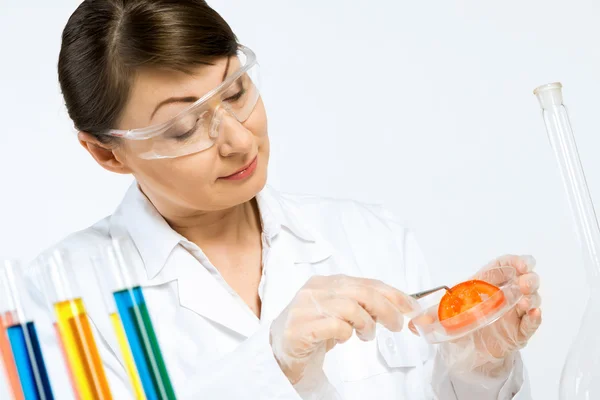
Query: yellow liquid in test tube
pixel 127 356
pixel 64 354
pixel 82 353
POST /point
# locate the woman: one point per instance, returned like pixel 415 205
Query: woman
pixel 255 293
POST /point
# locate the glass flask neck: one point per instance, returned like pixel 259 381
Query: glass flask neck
pixel 564 146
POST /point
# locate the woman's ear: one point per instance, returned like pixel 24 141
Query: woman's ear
pixel 103 153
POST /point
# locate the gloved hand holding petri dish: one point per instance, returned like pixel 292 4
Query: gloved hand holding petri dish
pixel 480 323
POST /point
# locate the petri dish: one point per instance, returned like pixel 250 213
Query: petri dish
pixel 433 330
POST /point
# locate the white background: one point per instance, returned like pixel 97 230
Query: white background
pixel 424 106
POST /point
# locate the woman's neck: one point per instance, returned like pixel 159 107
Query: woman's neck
pixel 231 239
pixel 233 226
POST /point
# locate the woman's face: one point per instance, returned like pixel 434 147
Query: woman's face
pixel 202 181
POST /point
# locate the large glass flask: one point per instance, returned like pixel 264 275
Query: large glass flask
pixel 580 378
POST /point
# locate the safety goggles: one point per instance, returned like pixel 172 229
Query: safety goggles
pixel 198 126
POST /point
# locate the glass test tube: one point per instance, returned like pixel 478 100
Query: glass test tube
pixel 22 336
pixel 74 329
pixel 117 324
pixel 6 355
pixel 7 358
pixel 115 265
pixel 39 276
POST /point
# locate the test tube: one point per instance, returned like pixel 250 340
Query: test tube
pixel 22 336
pixel 111 307
pixel 74 329
pixel 116 264
pixel 8 360
pixel 6 355
pixel 38 276
pixel 127 356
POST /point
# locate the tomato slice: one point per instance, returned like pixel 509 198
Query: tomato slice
pixel 465 296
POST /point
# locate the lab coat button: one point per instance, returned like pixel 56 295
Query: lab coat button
pixel 391 345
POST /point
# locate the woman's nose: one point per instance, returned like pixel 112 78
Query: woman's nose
pixel 233 137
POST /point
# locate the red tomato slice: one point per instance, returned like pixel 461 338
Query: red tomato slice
pixel 465 296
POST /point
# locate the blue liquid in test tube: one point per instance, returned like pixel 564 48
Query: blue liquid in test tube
pixel 29 361
pixel 144 344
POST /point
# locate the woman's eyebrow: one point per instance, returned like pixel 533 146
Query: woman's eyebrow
pixel 186 99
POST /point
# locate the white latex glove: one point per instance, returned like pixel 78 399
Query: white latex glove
pixel 325 312
pixel 490 350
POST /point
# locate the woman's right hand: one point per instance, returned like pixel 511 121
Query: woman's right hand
pixel 326 311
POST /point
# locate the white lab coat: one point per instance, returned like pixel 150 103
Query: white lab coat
pixel 216 348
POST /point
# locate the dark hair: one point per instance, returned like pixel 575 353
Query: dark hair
pixel 104 42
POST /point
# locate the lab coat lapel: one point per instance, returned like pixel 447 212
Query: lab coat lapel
pixel 201 293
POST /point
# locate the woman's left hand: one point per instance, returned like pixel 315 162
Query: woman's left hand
pixel 512 332
pixel 490 350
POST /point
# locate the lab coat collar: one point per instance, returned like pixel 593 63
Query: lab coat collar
pixel 276 214
pixel 155 239
pixel 280 213
pixel 151 234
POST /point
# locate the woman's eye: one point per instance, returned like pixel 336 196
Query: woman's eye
pixel 181 134
pixel 235 97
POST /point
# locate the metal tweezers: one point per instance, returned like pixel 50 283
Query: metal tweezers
pixel 427 292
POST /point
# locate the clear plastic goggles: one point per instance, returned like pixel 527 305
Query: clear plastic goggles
pixel 198 126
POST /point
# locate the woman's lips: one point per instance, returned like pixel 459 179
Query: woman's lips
pixel 243 173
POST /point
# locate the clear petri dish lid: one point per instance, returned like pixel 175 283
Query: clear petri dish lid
pixel 433 330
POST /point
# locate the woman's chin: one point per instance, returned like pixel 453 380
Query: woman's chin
pixel 233 193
